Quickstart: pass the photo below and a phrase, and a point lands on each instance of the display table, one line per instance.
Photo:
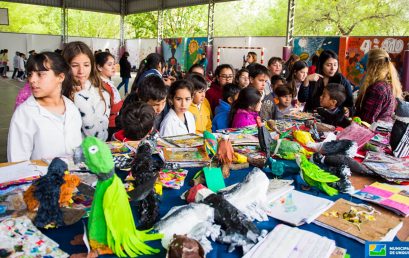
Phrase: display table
(172, 198)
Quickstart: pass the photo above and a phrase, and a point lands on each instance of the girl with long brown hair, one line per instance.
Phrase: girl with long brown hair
(89, 94)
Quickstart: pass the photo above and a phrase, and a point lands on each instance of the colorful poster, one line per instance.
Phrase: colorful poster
(306, 47)
(174, 53)
(195, 48)
(181, 53)
(358, 47)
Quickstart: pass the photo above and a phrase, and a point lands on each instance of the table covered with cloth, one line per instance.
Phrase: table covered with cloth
(171, 198)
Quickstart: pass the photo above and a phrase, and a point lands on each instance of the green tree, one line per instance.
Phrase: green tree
(25, 18)
(251, 18)
(351, 17)
(92, 24)
(177, 22)
(141, 25)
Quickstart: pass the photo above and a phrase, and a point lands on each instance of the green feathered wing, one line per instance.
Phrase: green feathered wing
(97, 226)
(122, 236)
(315, 176)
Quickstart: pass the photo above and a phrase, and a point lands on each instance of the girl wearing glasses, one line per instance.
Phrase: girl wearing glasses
(224, 74)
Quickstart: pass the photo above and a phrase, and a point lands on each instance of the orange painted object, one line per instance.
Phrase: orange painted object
(225, 151)
(71, 182)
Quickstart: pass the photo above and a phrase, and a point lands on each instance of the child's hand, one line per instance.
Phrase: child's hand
(168, 80)
(314, 77)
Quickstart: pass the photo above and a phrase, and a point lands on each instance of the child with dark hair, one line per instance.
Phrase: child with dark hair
(179, 120)
(251, 59)
(196, 68)
(105, 63)
(137, 119)
(331, 110)
(224, 74)
(258, 77)
(242, 78)
(271, 99)
(47, 124)
(275, 65)
(154, 92)
(283, 107)
(221, 119)
(244, 111)
(200, 107)
(152, 65)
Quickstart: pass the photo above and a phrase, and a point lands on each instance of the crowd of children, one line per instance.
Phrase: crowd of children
(73, 97)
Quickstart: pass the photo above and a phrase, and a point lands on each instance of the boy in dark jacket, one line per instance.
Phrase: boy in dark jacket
(222, 111)
(331, 110)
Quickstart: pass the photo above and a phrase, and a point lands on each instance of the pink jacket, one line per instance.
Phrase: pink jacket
(23, 94)
(244, 118)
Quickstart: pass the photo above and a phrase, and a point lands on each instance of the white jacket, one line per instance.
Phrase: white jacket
(94, 111)
(21, 65)
(172, 125)
(16, 61)
(36, 133)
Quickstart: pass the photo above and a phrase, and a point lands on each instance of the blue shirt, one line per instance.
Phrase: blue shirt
(221, 119)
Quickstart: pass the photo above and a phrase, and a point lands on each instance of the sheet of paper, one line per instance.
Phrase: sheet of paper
(21, 170)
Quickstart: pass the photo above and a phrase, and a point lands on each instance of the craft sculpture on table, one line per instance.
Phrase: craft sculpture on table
(145, 171)
(111, 226)
(183, 246)
(236, 228)
(50, 193)
(232, 210)
(315, 176)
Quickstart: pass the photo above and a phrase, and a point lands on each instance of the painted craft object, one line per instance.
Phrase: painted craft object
(145, 171)
(111, 227)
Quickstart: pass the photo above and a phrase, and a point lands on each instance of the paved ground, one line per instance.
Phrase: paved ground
(8, 92)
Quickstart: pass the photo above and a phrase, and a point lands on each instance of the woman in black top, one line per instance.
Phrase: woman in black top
(327, 72)
(125, 71)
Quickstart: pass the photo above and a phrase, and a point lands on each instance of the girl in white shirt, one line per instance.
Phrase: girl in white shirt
(91, 99)
(179, 120)
(47, 124)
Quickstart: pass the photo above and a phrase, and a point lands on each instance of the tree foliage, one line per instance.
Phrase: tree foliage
(92, 24)
(352, 17)
(31, 18)
(178, 22)
(236, 18)
(251, 18)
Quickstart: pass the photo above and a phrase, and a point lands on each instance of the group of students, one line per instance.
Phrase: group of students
(73, 97)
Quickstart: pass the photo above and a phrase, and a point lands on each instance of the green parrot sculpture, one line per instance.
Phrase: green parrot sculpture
(111, 226)
(315, 176)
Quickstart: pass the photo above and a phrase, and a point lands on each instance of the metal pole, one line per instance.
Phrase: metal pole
(122, 24)
(290, 23)
(160, 26)
(210, 23)
(64, 22)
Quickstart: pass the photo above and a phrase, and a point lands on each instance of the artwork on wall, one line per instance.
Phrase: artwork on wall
(174, 53)
(306, 47)
(195, 48)
(357, 49)
(181, 53)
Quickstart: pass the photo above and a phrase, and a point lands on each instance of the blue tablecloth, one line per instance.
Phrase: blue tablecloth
(172, 198)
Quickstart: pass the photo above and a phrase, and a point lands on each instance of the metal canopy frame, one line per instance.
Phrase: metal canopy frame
(126, 7)
(116, 6)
